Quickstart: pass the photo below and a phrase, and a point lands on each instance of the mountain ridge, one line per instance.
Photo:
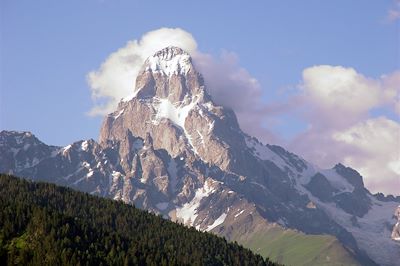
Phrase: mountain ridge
(171, 150)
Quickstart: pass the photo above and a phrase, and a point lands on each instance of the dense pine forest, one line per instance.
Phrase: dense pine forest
(43, 224)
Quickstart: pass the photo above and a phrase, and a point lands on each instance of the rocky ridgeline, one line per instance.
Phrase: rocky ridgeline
(171, 150)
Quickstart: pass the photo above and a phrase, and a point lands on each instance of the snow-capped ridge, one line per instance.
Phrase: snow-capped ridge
(168, 61)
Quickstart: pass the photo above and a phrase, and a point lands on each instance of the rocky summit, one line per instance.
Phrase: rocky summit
(171, 150)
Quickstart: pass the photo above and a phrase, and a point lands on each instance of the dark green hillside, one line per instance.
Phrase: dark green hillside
(43, 224)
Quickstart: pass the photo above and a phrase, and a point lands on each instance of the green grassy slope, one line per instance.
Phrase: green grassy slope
(294, 248)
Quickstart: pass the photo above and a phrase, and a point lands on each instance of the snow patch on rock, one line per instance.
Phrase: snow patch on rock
(66, 149)
(217, 222)
(176, 112)
(236, 215)
(85, 145)
(188, 212)
(169, 61)
(90, 174)
(265, 153)
(119, 114)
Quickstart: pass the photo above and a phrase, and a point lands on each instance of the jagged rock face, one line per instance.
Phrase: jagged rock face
(173, 106)
(320, 187)
(169, 74)
(396, 228)
(351, 175)
(21, 150)
(354, 202)
(171, 150)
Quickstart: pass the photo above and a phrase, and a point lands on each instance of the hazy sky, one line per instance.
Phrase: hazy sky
(319, 77)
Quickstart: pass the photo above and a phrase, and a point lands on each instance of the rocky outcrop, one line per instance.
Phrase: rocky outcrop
(351, 175)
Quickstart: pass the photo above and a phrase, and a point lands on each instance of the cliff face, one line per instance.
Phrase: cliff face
(173, 107)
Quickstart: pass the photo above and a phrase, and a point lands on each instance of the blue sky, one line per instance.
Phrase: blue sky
(47, 49)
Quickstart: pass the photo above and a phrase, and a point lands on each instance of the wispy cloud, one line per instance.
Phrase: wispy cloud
(115, 78)
(393, 14)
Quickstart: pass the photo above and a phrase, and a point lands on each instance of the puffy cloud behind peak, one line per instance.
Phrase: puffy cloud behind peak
(228, 83)
(115, 78)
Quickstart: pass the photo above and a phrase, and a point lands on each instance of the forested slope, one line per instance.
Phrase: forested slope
(43, 224)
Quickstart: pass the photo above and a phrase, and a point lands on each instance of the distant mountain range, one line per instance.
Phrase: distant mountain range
(171, 150)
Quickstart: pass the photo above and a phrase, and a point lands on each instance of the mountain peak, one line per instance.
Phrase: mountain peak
(16, 136)
(168, 61)
(169, 73)
(170, 51)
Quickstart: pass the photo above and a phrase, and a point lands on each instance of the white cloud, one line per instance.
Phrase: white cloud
(341, 95)
(338, 97)
(339, 87)
(377, 152)
(339, 101)
(115, 79)
(393, 13)
(391, 86)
